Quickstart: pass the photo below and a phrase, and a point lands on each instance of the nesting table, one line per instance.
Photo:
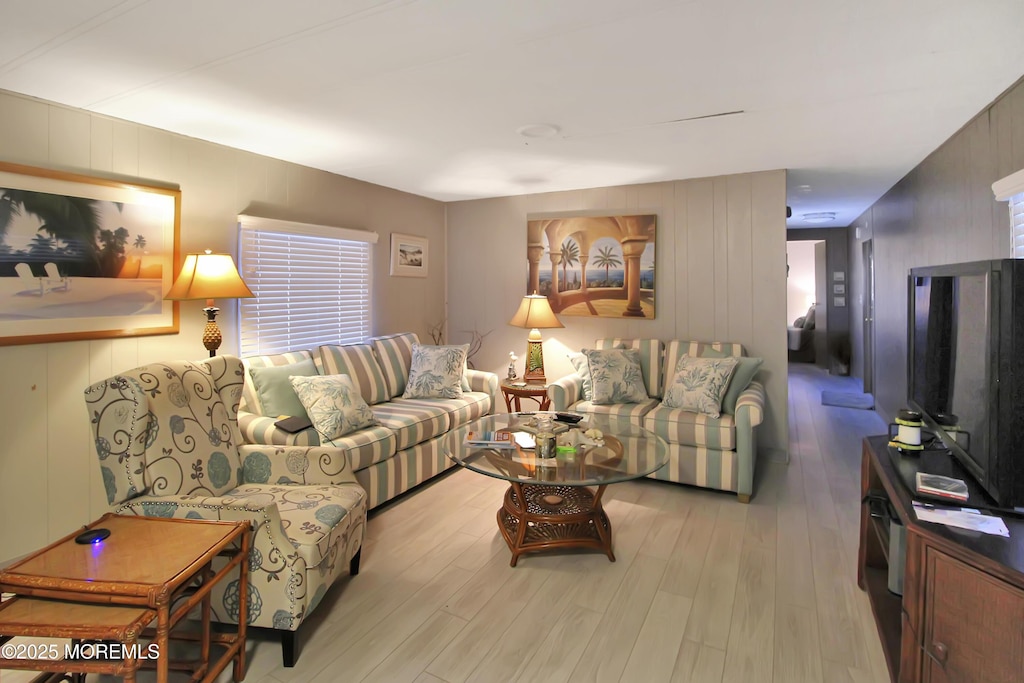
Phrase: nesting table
(149, 569)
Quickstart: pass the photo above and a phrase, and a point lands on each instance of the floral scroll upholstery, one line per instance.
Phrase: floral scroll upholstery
(168, 443)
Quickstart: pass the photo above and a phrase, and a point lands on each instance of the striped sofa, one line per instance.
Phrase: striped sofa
(704, 451)
(406, 448)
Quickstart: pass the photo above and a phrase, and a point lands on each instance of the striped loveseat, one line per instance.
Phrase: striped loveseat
(406, 447)
(704, 451)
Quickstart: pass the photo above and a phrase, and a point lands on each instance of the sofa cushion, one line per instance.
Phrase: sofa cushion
(394, 354)
(366, 446)
(616, 376)
(436, 371)
(358, 362)
(276, 395)
(634, 412)
(412, 421)
(314, 517)
(699, 384)
(689, 428)
(250, 399)
(650, 360)
(333, 404)
(463, 410)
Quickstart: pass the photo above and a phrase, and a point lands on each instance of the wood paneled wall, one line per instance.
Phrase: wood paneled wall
(49, 476)
(941, 212)
(720, 265)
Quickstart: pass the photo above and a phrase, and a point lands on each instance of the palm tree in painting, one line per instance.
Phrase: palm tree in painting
(71, 220)
(570, 255)
(607, 259)
(140, 242)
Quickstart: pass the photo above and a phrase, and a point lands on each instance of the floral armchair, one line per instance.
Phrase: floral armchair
(169, 446)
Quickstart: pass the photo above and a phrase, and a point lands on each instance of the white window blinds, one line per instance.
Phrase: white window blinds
(312, 285)
(1017, 224)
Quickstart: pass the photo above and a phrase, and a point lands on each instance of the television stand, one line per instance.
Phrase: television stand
(960, 615)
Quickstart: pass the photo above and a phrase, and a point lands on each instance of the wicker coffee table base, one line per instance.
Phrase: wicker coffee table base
(541, 517)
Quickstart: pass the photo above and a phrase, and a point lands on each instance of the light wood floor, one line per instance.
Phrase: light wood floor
(704, 589)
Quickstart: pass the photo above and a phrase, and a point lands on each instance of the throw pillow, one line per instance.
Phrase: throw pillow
(746, 368)
(275, 392)
(333, 403)
(799, 322)
(436, 371)
(699, 384)
(579, 361)
(616, 376)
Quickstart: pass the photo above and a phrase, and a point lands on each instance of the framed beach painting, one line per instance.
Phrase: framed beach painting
(595, 266)
(408, 255)
(84, 257)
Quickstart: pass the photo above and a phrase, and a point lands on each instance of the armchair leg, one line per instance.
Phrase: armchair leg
(289, 648)
(744, 497)
(353, 565)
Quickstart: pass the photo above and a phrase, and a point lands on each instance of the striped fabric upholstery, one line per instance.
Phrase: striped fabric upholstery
(472, 405)
(700, 466)
(412, 422)
(688, 428)
(358, 362)
(406, 469)
(634, 412)
(250, 401)
(676, 348)
(394, 354)
(565, 392)
(650, 360)
(367, 446)
(752, 399)
(257, 429)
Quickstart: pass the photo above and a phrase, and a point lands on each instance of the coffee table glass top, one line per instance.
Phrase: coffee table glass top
(625, 452)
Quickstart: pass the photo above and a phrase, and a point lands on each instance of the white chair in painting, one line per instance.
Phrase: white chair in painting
(54, 279)
(36, 285)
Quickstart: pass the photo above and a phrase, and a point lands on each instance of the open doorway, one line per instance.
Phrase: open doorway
(805, 276)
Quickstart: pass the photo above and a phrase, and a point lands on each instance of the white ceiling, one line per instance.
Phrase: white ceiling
(426, 96)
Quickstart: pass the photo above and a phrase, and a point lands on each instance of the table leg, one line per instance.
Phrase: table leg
(604, 527)
(508, 401)
(204, 651)
(163, 629)
(519, 405)
(238, 672)
(521, 529)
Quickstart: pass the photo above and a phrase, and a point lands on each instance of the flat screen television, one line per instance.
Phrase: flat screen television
(965, 369)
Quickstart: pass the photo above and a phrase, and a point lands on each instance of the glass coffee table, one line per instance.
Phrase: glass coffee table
(549, 504)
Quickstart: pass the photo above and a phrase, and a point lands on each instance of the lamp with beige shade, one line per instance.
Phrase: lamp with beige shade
(209, 276)
(535, 314)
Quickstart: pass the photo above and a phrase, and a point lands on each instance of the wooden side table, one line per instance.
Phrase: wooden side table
(146, 562)
(514, 390)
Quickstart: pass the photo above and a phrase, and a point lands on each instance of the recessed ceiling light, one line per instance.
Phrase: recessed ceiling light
(538, 130)
(820, 217)
(803, 188)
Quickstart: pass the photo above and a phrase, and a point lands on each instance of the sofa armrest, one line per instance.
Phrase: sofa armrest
(565, 392)
(295, 465)
(260, 430)
(481, 380)
(749, 414)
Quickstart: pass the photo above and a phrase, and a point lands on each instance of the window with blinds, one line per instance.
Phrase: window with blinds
(311, 284)
(1017, 224)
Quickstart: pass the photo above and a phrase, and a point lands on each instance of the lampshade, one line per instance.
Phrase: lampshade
(208, 276)
(535, 313)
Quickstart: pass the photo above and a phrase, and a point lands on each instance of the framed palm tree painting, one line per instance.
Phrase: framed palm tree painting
(593, 265)
(84, 257)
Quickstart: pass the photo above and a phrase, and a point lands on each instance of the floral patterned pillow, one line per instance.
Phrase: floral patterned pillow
(699, 384)
(436, 371)
(333, 404)
(616, 376)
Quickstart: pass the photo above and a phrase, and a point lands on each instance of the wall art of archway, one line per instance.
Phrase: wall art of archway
(593, 266)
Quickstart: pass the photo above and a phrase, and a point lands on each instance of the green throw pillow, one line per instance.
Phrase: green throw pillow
(275, 391)
(741, 378)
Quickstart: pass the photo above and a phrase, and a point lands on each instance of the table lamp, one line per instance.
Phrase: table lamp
(534, 314)
(209, 276)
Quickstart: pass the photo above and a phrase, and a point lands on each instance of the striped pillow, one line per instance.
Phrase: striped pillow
(358, 362)
(394, 355)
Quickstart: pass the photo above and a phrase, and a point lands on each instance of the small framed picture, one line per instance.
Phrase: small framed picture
(839, 289)
(839, 276)
(408, 255)
(839, 301)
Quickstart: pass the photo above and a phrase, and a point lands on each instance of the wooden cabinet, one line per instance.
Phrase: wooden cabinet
(961, 616)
